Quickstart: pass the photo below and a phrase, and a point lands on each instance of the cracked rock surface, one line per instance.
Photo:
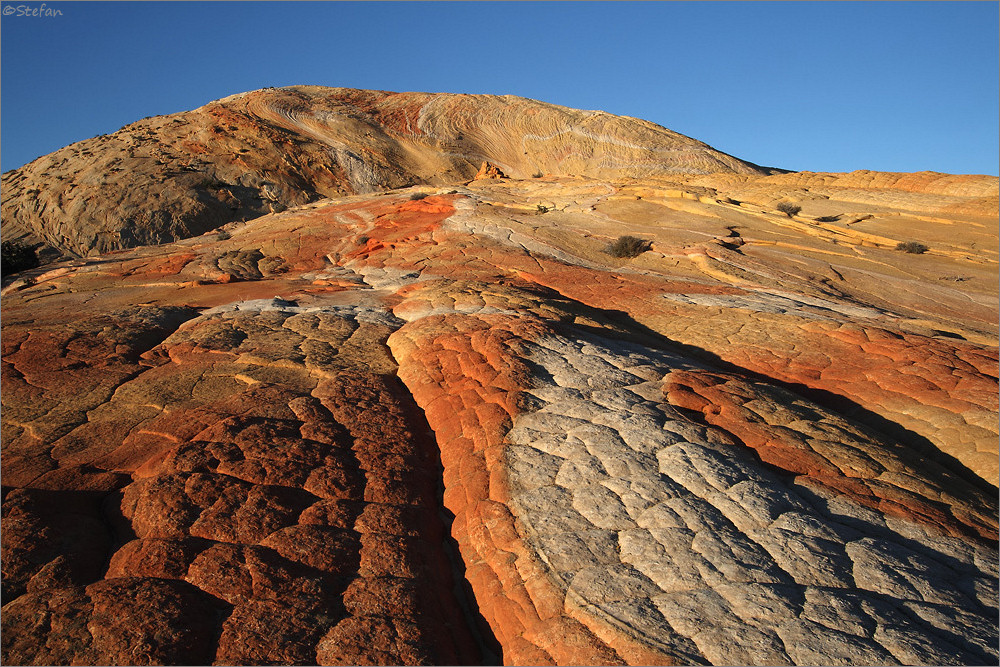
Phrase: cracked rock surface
(440, 425)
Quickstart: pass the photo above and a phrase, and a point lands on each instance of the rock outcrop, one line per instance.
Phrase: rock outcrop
(166, 178)
(488, 170)
(444, 425)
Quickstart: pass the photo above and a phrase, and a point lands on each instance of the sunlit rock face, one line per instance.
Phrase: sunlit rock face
(171, 177)
(441, 424)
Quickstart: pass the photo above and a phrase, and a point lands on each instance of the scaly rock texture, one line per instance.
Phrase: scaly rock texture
(269, 514)
(442, 425)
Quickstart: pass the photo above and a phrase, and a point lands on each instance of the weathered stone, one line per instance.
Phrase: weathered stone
(489, 170)
(446, 428)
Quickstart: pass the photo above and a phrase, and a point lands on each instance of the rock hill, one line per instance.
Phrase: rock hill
(419, 418)
(171, 177)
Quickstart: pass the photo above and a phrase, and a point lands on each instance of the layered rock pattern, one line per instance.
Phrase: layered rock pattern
(443, 425)
(263, 151)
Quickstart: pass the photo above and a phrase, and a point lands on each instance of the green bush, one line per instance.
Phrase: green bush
(912, 247)
(418, 195)
(543, 209)
(16, 256)
(537, 174)
(828, 218)
(788, 208)
(628, 246)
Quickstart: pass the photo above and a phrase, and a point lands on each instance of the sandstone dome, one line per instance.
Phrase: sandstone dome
(248, 154)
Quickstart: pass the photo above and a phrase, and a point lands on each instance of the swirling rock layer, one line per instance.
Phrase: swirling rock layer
(263, 151)
(443, 425)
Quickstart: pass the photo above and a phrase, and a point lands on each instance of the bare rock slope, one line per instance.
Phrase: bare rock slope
(442, 424)
(170, 177)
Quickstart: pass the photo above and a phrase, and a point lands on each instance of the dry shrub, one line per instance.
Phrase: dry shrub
(912, 247)
(628, 246)
(788, 208)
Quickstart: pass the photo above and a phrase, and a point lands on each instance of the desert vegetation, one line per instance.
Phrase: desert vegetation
(17, 256)
(788, 208)
(912, 247)
(628, 247)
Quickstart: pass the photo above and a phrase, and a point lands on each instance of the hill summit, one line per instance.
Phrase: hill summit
(257, 152)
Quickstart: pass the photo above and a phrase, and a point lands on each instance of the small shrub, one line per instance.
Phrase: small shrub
(363, 240)
(912, 247)
(788, 208)
(223, 235)
(16, 256)
(628, 246)
(537, 174)
(418, 195)
(828, 218)
(543, 209)
(270, 266)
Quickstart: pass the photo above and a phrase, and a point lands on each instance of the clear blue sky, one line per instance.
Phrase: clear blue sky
(818, 86)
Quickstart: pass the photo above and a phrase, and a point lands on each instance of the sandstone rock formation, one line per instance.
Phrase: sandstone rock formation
(170, 177)
(488, 170)
(439, 424)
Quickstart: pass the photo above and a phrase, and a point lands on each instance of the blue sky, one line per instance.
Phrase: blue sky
(818, 86)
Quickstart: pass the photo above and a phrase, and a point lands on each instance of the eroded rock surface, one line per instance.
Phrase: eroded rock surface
(443, 425)
(278, 506)
(260, 152)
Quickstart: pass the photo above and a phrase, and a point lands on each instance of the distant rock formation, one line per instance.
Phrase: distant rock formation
(440, 424)
(489, 170)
